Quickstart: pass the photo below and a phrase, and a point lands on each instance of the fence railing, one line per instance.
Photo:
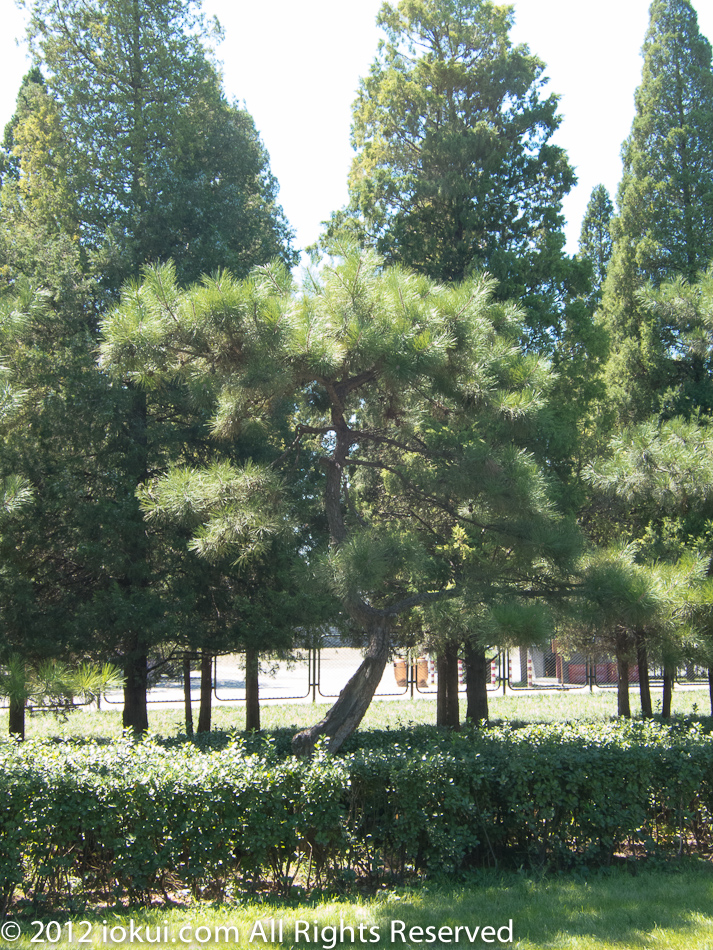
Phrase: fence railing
(321, 674)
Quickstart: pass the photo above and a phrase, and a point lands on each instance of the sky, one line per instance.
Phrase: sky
(296, 67)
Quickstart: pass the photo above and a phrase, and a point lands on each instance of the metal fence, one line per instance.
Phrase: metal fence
(320, 674)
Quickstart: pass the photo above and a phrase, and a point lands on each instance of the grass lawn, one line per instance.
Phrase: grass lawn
(547, 706)
(654, 910)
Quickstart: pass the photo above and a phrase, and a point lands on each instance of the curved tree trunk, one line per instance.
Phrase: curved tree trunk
(642, 660)
(447, 711)
(476, 680)
(252, 691)
(348, 711)
(204, 714)
(17, 717)
(136, 716)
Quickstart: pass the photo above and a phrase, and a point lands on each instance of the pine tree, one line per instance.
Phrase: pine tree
(413, 399)
(659, 476)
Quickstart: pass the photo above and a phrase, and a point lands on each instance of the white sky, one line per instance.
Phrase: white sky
(297, 67)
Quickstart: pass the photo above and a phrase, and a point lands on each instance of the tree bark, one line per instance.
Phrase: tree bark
(642, 660)
(204, 713)
(17, 717)
(669, 673)
(134, 545)
(622, 689)
(348, 711)
(476, 682)
(447, 711)
(187, 703)
(136, 716)
(353, 701)
(710, 686)
(252, 691)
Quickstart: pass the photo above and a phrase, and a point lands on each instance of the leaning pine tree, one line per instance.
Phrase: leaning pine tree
(412, 399)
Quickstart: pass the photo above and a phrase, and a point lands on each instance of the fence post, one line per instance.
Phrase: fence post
(313, 672)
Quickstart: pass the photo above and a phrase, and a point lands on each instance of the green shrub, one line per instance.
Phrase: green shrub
(135, 818)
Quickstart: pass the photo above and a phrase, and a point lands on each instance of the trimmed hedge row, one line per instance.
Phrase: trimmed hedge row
(133, 819)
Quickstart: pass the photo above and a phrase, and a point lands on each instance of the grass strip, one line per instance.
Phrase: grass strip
(550, 706)
(653, 910)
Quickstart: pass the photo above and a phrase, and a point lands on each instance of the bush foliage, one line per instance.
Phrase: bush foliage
(132, 819)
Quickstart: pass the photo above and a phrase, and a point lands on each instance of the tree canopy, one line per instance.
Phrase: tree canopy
(416, 401)
(662, 229)
(157, 163)
(455, 170)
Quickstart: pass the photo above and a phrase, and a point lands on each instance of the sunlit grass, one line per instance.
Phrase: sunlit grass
(656, 910)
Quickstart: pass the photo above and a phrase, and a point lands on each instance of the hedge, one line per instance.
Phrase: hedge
(132, 819)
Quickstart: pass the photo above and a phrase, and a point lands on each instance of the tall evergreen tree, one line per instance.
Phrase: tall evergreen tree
(412, 397)
(161, 164)
(455, 168)
(664, 225)
(127, 153)
(595, 243)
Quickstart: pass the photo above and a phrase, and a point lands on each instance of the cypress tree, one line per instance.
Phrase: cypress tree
(665, 203)
(455, 170)
(595, 243)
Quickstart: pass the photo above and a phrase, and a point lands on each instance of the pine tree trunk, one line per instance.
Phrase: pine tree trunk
(204, 713)
(252, 691)
(348, 711)
(447, 711)
(136, 716)
(17, 717)
(644, 686)
(353, 701)
(476, 680)
(669, 673)
(710, 686)
(622, 689)
(187, 703)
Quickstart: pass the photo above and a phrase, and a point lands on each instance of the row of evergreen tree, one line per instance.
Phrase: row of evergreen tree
(195, 465)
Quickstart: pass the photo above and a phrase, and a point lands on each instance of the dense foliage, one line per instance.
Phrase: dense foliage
(418, 442)
(413, 397)
(662, 229)
(455, 169)
(135, 819)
